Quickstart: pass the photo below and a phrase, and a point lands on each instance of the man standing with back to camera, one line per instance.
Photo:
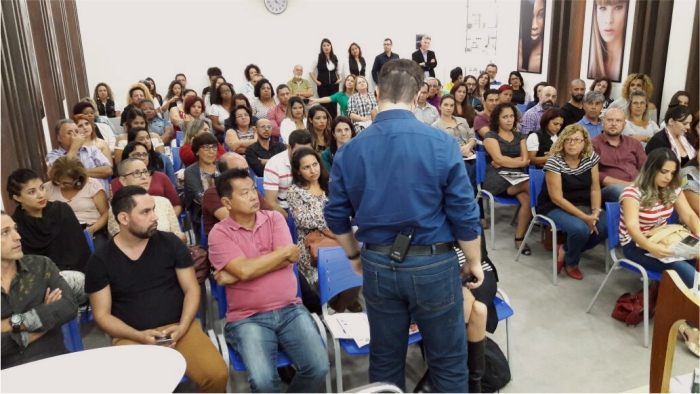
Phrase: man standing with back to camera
(410, 204)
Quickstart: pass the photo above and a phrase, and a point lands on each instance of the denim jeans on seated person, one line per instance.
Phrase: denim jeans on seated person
(578, 237)
(684, 268)
(428, 290)
(291, 329)
(611, 193)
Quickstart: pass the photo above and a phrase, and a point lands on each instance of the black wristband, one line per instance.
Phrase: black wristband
(353, 257)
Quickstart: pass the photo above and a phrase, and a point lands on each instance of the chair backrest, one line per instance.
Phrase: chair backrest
(522, 108)
(177, 162)
(116, 124)
(292, 226)
(480, 167)
(260, 184)
(88, 238)
(612, 209)
(536, 181)
(335, 273)
(204, 242)
(179, 137)
(71, 336)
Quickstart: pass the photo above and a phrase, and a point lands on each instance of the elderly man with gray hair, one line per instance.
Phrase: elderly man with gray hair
(592, 105)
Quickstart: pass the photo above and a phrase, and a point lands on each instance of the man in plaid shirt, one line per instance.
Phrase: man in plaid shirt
(531, 119)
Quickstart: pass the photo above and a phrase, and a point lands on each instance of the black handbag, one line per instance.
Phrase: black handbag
(496, 371)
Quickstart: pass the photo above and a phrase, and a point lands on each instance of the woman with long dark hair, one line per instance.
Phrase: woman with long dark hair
(520, 96)
(532, 16)
(342, 132)
(603, 86)
(356, 62)
(463, 107)
(328, 76)
(318, 124)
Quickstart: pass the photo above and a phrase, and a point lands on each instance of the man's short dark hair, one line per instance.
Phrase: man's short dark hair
(123, 200)
(492, 65)
(224, 187)
(177, 75)
(389, 39)
(213, 72)
(280, 87)
(455, 72)
(399, 81)
(490, 92)
(299, 137)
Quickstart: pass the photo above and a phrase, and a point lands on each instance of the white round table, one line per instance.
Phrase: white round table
(128, 368)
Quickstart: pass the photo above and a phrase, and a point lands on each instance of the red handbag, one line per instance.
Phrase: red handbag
(629, 308)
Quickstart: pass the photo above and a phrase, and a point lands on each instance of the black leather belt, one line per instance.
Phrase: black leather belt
(415, 250)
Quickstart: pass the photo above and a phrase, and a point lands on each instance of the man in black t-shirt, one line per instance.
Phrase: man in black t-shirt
(143, 290)
(573, 110)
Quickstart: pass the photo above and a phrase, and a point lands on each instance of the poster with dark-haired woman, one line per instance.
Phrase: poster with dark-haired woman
(531, 36)
(608, 29)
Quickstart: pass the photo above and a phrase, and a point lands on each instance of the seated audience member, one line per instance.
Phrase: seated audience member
(681, 97)
(36, 302)
(571, 197)
(362, 106)
(342, 98)
(133, 172)
(156, 124)
(531, 118)
(690, 176)
(104, 100)
(242, 134)
(343, 132)
(151, 85)
(160, 184)
(49, 228)
(103, 130)
(157, 161)
(143, 288)
(298, 85)
(278, 171)
(200, 176)
(250, 72)
(173, 99)
(137, 92)
(70, 184)
(319, 126)
(592, 106)
(215, 75)
(537, 91)
(182, 79)
(433, 92)
(239, 100)
(136, 118)
(265, 99)
(540, 142)
(633, 83)
(222, 105)
(180, 115)
(213, 210)
(482, 121)
(505, 94)
(196, 128)
(520, 96)
(259, 153)
(508, 152)
(424, 111)
(638, 125)
(573, 109)
(307, 196)
(693, 133)
(463, 108)
(603, 86)
(71, 142)
(253, 254)
(456, 127)
(278, 113)
(678, 120)
(647, 204)
(492, 70)
(87, 128)
(474, 102)
(295, 118)
(621, 156)
(482, 85)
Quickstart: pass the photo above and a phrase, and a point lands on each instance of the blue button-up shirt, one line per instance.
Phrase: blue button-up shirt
(593, 129)
(158, 125)
(401, 174)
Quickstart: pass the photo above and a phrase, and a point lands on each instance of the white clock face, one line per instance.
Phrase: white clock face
(276, 6)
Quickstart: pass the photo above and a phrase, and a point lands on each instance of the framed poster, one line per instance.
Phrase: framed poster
(532, 17)
(608, 30)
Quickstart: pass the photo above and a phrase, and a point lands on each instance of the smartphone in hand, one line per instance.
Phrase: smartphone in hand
(164, 341)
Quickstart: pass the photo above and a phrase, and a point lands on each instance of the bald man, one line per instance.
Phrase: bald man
(531, 119)
(573, 109)
(300, 86)
(260, 152)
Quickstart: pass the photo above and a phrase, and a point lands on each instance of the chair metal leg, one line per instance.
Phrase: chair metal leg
(493, 224)
(645, 279)
(514, 219)
(554, 255)
(595, 297)
(338, 366)
(508, 346)
(527, 234)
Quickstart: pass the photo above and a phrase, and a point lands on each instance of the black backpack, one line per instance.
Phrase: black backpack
(496, 371)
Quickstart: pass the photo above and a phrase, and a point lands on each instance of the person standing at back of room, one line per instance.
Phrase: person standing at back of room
(424, 283)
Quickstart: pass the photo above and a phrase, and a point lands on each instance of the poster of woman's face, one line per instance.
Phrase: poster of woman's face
(531, 36)
(608, 28)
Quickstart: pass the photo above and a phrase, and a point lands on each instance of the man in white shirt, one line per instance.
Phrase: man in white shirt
(424, 111)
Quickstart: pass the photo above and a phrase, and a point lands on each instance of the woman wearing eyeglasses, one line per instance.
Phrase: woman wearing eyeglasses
(200, 176)
(571, 197)
(157, 161)
(70, 184)
(242, 135)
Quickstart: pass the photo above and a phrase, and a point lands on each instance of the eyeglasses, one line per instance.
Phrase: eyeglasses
(139, 174)
(209, 147)
(573, 141)
(68, 184)
(137, 155)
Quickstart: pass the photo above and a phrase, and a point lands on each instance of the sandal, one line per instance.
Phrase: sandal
(692, 338)
(526, 249)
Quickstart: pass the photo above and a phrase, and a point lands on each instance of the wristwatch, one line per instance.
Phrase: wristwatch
(16, 322)
(597, 209)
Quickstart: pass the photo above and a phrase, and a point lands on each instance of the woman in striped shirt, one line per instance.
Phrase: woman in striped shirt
(648, 204)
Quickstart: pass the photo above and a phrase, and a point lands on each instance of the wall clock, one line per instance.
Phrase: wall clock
(276, 6)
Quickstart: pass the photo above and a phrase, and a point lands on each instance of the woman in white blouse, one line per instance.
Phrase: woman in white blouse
(296, 118)
(221, 106)
(328, 75)
(638, 125)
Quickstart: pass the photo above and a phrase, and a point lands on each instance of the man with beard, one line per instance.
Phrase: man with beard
(143, 290)
(260, 152)
(531, 119)
(573, 110)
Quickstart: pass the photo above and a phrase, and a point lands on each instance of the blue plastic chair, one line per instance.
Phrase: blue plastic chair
(260, 185)
(522, 108)
(613, 212)
(504, 312)
(480, 176)
(292, 226)
(335, 275)
(179, 136)
(71, 336)
(88, 237)
(177, 161)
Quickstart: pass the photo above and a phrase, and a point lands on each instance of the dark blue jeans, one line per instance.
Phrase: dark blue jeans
(578, 237)
(257, 338)
(685, 269)
(428, 290)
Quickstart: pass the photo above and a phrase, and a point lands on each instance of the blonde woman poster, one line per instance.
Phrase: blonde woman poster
(608, 39)
(531, 36)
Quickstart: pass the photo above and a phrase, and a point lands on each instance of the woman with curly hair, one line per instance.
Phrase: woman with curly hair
(104, 99)
(633, 83)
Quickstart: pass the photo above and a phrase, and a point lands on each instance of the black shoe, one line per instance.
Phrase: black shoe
(476, 364)
(424, 385)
